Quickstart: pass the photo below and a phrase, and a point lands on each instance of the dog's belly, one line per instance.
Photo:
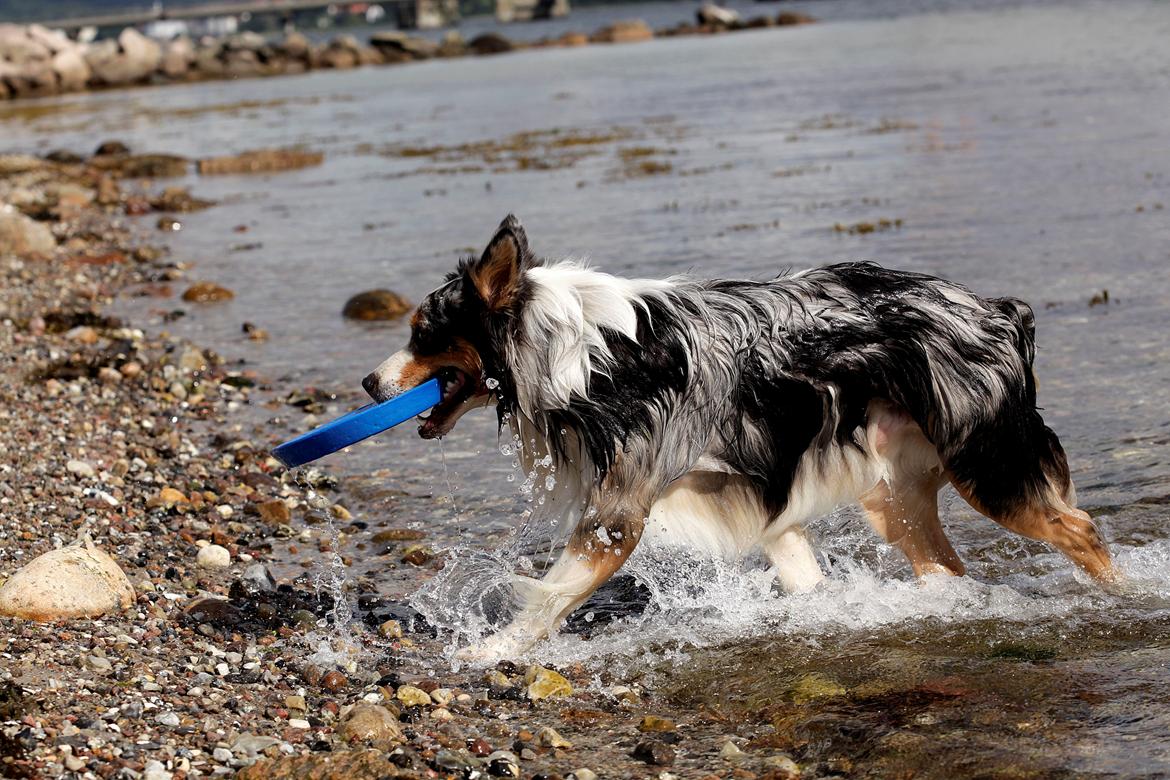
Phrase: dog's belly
(719, 512)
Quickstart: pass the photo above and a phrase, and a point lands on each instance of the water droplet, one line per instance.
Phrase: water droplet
(491, 383)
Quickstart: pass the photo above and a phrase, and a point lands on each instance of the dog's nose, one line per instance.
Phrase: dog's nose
(370, 383)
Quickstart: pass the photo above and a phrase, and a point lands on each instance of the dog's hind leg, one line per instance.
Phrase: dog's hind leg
(903, 506)
(1018, 476)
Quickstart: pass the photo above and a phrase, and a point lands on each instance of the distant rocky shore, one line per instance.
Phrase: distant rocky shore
(36, 61)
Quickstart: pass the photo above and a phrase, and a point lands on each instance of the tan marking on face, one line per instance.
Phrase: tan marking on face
(461, 355)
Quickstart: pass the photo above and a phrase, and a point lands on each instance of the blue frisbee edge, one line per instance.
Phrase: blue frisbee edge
(358, 425)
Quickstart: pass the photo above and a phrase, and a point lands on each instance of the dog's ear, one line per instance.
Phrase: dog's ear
(496, 275)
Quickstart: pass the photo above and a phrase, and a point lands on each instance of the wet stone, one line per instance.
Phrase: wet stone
(653, 752)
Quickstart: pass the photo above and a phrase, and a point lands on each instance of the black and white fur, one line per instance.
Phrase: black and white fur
(725, 413)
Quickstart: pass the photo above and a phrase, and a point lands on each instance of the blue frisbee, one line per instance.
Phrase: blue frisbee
(357, 425)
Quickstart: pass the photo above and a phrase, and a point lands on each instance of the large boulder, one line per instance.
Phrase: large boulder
(72, 71)
(22, 236)
(716, 16)
(54, 40)
(401, 46)
(490, 43)
(18, 48)
(34, 78)
(130, 59)
(178, 57)
(75, 581)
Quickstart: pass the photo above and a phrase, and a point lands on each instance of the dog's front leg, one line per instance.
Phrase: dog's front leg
(601, 543)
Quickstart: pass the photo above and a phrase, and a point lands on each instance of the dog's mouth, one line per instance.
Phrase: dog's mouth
(458, 389)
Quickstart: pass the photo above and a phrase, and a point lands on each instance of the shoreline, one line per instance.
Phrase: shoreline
(36, 62)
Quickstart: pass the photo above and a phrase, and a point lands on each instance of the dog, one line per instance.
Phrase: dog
(723, 414)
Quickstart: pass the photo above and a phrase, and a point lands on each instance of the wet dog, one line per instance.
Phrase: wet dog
(722, 414)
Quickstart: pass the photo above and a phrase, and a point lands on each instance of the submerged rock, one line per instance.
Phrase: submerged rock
(75, 581)
(375, 305)
(261, 161)
(350, 764)
(207, 292)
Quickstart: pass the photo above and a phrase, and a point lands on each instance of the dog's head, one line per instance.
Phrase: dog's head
(458, 331)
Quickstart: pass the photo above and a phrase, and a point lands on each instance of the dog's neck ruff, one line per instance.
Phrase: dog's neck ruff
(559, 342)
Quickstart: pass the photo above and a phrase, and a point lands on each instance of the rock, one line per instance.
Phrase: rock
(154, 770)
(111, 149)
(178, 57)
(207, 292)
(626, 31)
(80, 468)
(573, 39)
(213, 557)
(22, 236)
(782, 765)
(391, 629)
(503, 763)
(370, 723)
(334, 682)
(95, 663)
(375, 305)
(18, 47)
(73, 72)
(295, 46)
(544, 683)
(717, 16)
(497, 681)
(452, 45)
(274, 512)
(355, 764)
(167, 719)
(582, 774)
(129, 59)
(399, 45)
(731, 752)
(412, 697)
(548, 737)
(815, 686)
(250, 746)
(75, 581)
(261, 161)
(179, 199)
(791, 18)
(458, 762)
(490, 43)
(258, 576)
(169, 497)
(656, 724)
(654, 753)
(144, 166)
(417, 554)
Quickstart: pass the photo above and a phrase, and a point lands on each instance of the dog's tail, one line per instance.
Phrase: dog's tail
(1014, 457)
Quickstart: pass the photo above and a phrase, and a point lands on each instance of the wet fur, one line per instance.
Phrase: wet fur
(723, 413)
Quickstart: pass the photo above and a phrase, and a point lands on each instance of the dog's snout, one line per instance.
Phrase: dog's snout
(370, 384)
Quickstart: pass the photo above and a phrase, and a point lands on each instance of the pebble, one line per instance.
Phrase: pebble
(497, 681)
(372, 723)
(221, 755)
(731, 752)
(548, 737)
(334, 681)
(154, 770)
(782, 763)
(544, 683)
(503, 763)
(442, 696)
(583, 774)
(412, 697)
(298, 723)
(80, 468)
(654, 723)
(391, 629)
(654, 752)
(167, 719)
(214, 557)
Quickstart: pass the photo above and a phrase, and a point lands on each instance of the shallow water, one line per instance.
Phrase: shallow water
(1023, 146)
